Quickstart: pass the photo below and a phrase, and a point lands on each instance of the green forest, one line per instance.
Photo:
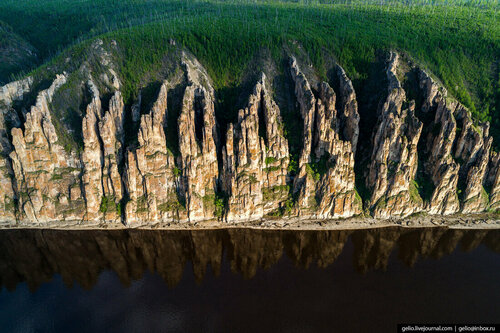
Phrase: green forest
(458, 41)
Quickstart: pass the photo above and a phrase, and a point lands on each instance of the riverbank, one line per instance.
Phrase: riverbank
(476, 221)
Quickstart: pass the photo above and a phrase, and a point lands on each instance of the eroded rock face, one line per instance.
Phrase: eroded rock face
(459, 154)
(150, 177)
(117, 179)
(440, 165)
(9, 118)
(255, 161)
(472, 148)
(48, 178)
(394, 159)
(326, 193)
(493, 181)
(103, 140)
(198, 143)
(349, 116)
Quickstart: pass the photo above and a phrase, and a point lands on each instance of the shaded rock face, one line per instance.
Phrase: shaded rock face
(425, 155)
(329, 191)
(255, 160)
(48, 178)
(394, 158)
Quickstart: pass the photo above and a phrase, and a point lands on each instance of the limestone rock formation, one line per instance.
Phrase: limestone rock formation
(150, 176)
(473, 149)
(459, 154)
(9, 118)
(47, 176)
(425, 155)
(440, 165)
(255, 160)
(493, 181)
(349, 116)
(103, 140)
(198, 143)
(329, 191)
(394, 159)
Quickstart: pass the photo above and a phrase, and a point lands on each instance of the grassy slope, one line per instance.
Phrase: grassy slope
(459, 44)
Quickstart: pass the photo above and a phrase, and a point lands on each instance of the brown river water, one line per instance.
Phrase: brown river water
(243, 280)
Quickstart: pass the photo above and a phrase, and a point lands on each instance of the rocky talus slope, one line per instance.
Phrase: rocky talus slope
(170, 160)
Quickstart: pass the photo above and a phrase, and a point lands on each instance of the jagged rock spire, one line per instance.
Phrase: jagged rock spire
(394, 157)
(255, 166)
(333, 193)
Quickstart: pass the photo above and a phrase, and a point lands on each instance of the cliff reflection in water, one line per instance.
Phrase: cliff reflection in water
(35, 256)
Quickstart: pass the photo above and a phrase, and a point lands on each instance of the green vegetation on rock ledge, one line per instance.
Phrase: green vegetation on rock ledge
(459, 41)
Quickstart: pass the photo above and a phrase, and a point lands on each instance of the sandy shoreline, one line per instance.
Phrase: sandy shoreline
(482, 221)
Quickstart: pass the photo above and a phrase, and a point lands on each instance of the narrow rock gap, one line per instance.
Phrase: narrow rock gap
(105, 100)
(370, 95)
(262, 119)
(286, 100)
(174, 107)
(24, 104)
(199, 107)
(423, 178)
(101, 149)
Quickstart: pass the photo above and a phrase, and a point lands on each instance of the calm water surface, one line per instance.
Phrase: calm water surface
(246, 280)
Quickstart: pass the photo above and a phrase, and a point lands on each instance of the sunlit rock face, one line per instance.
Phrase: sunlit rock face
(198, 143)
(9, 93)
(47, 177)
(255, 159)
(330, 191)
(103, 139)
(493, 180)
(168, 154)
(394, 159)
(150, 177)
(458, 152)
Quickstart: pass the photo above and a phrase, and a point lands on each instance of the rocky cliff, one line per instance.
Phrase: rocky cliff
(325, 184)
(394, 158)
(172, 159)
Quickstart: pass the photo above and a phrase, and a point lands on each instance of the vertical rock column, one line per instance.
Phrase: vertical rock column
(103, 141)
(198, 144)
(255, 165)
(440, 164)
(348, 112)
(149, 177)
(493, 181)
(333, 193)
(473, 149)
(47, 176)
(9, 118)
(394, 157)
(92, 155)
